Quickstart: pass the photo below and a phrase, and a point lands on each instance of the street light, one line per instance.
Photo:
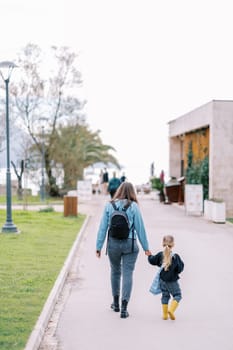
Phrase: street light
(6, 68)
(42, 192)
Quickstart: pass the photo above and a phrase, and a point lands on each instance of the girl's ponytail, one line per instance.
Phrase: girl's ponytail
(168, 243)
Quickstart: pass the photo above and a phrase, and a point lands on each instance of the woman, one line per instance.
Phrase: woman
(122, 252)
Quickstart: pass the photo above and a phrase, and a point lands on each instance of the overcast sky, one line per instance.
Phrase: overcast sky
(143, 63)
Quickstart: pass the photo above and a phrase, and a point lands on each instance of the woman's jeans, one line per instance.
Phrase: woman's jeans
(122, 261)
(168, 289)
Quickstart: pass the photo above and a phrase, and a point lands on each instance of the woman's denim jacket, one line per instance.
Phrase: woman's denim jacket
(135, 220)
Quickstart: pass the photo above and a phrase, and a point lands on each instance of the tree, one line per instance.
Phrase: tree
(75, 148)
(51, 99)
(48, 98)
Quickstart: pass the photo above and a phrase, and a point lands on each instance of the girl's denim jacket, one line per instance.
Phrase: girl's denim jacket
(135, 220)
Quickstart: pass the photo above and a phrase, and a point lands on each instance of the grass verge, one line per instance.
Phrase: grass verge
(29, 265)
(32, 200)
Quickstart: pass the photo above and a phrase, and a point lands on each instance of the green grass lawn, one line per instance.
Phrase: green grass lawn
(29, 265)
(31, 200)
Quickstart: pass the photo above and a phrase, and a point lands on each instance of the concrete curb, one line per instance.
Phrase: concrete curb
(37, 334)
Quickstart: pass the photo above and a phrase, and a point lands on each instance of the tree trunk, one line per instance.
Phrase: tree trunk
(19, 178)
(20, 189)
(51, 188)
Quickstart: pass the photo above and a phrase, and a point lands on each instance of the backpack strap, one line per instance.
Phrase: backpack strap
(126, 206)
(114, 205)
(132, 238)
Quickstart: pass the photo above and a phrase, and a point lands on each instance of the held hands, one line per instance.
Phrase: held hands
(148, 252)
(98, 253)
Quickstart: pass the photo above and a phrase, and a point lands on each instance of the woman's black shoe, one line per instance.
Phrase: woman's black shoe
(115, 305)
(124, 312)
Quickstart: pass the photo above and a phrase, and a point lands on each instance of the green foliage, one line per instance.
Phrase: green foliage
(67, 143)
(75, 148)
(190, 155)
(29, 265)
(46, 210)
(198, 173)
(32, 200)
(156, 184)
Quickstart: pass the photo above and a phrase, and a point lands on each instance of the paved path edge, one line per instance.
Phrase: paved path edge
(39, 329)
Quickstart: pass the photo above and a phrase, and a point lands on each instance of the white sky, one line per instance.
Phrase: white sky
(143, 63)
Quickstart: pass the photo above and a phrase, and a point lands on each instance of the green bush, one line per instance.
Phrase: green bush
(156, 184)
(198, 173)
(46, 210)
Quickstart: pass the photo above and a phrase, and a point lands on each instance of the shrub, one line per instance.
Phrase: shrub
(46, 210)
(198, 173)
(156, 184)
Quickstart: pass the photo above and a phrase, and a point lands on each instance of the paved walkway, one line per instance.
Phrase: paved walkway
(84, 320)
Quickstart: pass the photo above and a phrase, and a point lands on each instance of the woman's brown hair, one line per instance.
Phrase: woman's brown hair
(126, 191)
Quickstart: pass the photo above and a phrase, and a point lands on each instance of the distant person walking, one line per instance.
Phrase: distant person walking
(105, 181)
(122, 253)
(172, 265)
(161, 176)
(123, 177)
(100, 190)
(113, 184)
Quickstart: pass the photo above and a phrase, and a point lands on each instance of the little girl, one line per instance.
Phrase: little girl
(169, 275)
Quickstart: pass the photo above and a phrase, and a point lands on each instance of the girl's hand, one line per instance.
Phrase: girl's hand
(148, 252)
(98, 253)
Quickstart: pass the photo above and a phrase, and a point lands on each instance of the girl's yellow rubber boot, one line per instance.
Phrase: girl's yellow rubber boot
(165, 311)
(172, 309)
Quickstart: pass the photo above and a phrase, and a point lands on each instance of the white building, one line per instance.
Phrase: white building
(212, 126)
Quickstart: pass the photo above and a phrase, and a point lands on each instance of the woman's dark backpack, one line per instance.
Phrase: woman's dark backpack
(119, 226)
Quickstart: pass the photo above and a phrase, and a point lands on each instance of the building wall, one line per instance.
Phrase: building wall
(197, 119)
(221, 162)
(216, 119)
(200, 145)
(175, 159)
(181, 129)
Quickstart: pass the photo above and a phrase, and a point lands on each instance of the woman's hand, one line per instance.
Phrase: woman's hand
(148, 252)
(98, 253)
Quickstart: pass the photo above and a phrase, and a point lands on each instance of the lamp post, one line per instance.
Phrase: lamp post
(6, 68)
(42, 190)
